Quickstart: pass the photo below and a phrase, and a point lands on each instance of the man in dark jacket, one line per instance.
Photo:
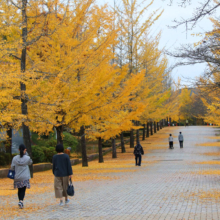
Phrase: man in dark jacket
(138, 151)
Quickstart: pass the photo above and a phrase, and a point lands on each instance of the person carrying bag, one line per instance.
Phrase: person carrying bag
(11, 174)
(62, 171)
(20, 166)
(70, 189)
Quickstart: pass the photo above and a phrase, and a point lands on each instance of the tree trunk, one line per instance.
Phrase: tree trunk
(122, 143)
(27, 143)
(144, 132)
(161, 124)
(114, 154)
(158, 126)
(59, 130)
(155, 128)
(83, 146)
(170, 121)
(151, 128)
(9, 141)
(132, 138)
(100, 151)
(137, 134)
(26, 131)
(148, 131)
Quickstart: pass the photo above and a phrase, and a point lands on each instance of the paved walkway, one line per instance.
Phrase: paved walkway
(172, 188)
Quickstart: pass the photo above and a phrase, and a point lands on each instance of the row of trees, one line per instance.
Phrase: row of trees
(209, 84)
(79, 66)
(205, 103)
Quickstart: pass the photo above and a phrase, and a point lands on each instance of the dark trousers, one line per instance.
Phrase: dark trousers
(138, 159)
(21, 193)
(181, 144)
(171, 144)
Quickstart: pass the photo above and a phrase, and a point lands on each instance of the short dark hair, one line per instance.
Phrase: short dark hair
(59, 148)
(180, 132)
(170, 134)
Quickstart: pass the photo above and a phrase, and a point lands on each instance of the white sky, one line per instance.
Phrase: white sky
(173, 38)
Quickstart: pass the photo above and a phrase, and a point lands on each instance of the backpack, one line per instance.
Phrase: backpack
(138, 149)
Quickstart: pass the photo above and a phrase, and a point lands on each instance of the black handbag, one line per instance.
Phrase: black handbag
(70, 189)
(11, 174)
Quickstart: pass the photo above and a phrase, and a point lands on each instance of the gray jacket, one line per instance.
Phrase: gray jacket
(20, 165)
(170, 138)
(180, 137)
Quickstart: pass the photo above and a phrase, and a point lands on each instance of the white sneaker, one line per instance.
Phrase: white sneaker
(61, 203)
(67, 201)
(20, 205)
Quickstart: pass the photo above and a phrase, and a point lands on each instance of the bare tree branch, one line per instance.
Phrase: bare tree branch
(206, 8)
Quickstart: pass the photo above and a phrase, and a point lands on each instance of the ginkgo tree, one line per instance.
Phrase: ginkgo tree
(156, 94)
(62, 69)
(209, 94)
(114, 118)
(133, 33)
(22, 24)
(80, 78)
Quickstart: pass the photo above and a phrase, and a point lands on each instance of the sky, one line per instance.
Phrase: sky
(173, 38)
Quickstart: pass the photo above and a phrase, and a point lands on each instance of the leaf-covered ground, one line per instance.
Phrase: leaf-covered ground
(177, 178)
(43, 181)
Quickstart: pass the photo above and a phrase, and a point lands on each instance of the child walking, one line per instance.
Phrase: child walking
(170, 141)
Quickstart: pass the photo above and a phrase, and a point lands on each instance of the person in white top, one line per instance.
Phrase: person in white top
(180, 138)
(170, 141)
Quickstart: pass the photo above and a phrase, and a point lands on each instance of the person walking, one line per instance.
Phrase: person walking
(20, 165)
(170, 141)
(180, 138)
(138, 151)
(62, 171)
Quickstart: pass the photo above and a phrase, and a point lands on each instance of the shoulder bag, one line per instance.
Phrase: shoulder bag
(11, 174)
(70, 189)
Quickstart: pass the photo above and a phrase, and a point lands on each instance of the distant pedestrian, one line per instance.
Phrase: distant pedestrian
(138, 151)
(180, 138)
(170, 141)
(187, 122)
(62, 171)
(20, 165)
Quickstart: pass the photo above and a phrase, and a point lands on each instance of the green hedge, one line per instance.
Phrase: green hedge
(69, 141)
(107, 144)
(6, 158)
(42, 154)
(44, 149)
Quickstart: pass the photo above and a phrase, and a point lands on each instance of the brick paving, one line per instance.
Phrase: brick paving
(167, 190)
